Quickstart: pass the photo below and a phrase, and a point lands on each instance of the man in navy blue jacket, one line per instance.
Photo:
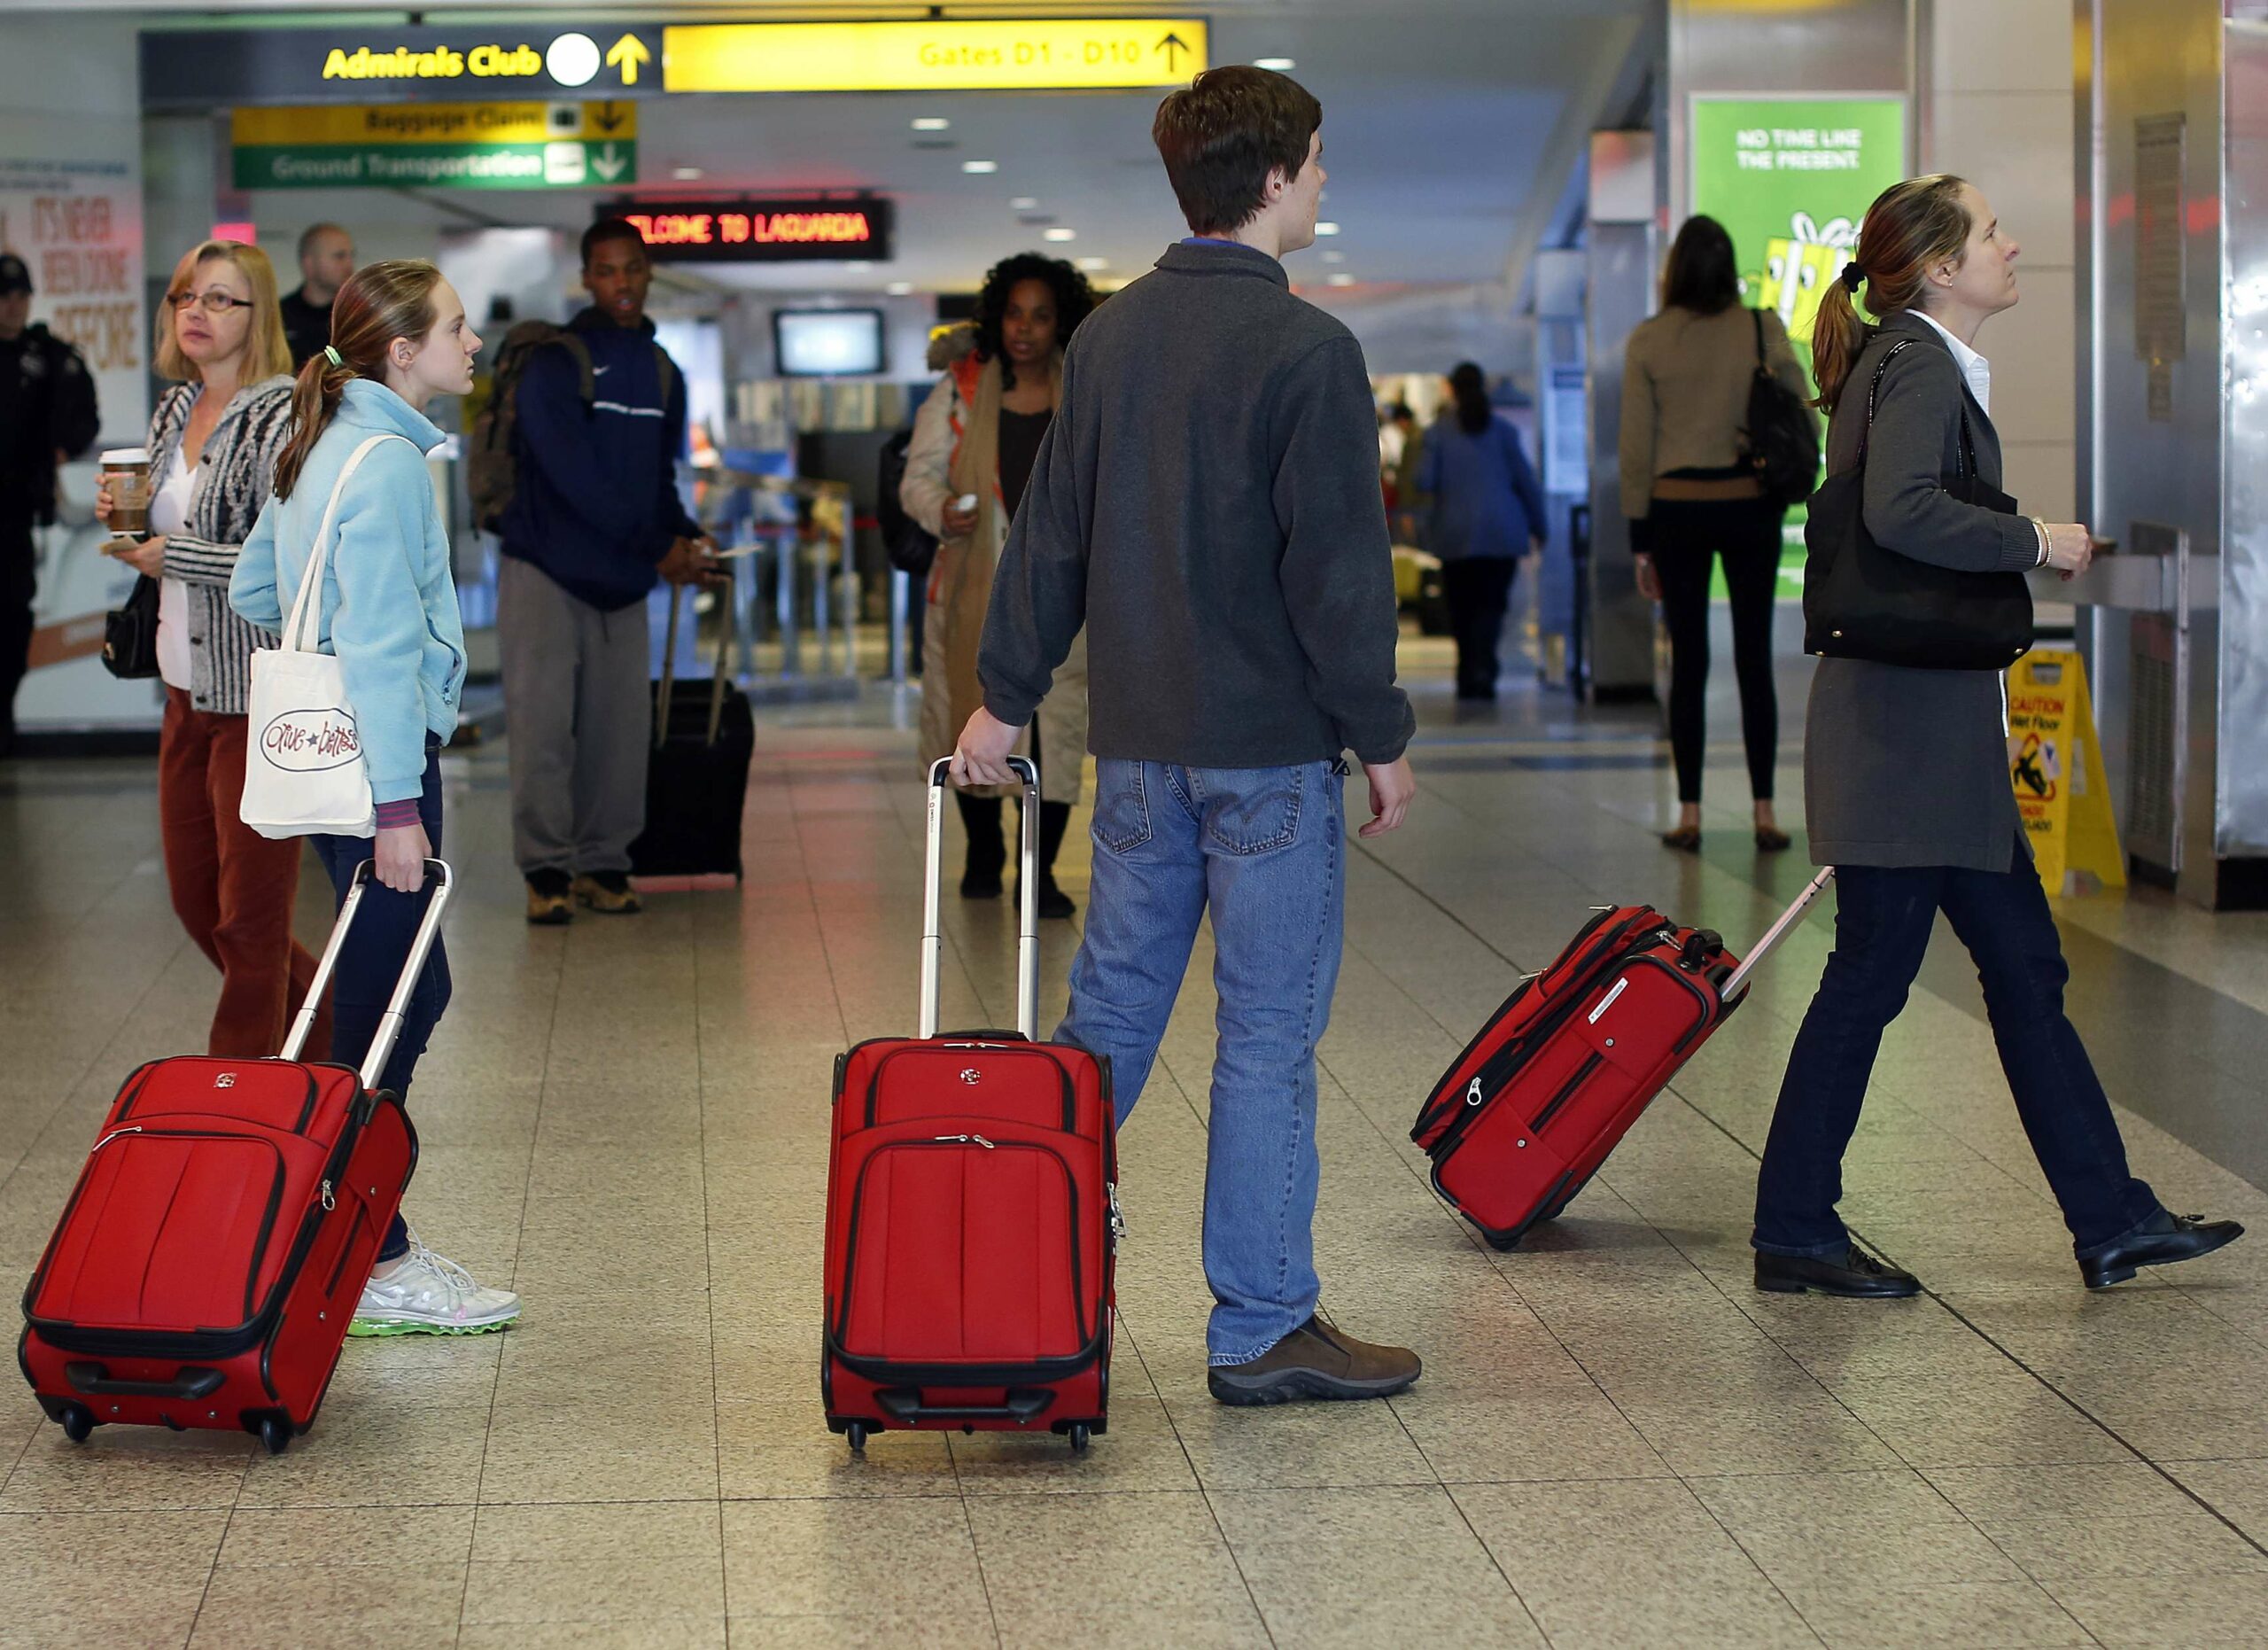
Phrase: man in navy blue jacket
(595, 521)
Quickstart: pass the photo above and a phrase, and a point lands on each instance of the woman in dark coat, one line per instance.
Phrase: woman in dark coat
(1907, 788)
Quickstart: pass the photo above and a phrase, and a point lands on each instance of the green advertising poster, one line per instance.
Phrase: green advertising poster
(1790, 180)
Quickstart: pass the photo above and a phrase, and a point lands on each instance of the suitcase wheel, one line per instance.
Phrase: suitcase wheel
(856, 1432)
(275, 1433)
(1081, 1435)
(78, 1422)
(1505, 1245)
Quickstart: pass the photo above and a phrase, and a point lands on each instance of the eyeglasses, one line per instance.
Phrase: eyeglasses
(215, 302)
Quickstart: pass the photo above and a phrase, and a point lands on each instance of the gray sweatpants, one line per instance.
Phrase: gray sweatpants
(577, 720)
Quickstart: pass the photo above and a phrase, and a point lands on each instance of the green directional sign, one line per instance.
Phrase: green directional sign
(503, 145)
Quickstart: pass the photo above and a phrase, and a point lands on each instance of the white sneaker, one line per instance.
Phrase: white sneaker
(426, 1294)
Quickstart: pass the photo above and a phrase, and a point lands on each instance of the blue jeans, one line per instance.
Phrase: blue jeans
(370, 964)
(1882, 921)
(1264, 849)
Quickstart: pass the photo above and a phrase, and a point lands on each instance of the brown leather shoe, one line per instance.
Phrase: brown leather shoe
(548, 906)
(607, 892)
(1317, 1360)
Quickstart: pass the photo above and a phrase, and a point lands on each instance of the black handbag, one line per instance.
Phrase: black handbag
(911, 549)
(1780, 443)
(1863, 602)
(130, 633)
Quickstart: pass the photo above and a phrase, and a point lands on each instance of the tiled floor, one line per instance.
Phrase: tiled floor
(1617, 1441)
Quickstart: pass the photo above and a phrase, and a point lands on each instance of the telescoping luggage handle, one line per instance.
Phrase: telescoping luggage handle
(669, 669)
(389, 1032)
(933, 942)
(1736, 982)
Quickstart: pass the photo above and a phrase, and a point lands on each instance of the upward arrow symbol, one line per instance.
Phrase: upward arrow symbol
(626, 54)
(1173, 46)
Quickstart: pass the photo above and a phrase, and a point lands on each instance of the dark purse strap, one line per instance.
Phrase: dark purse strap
(1873, 392)
(1965, 461)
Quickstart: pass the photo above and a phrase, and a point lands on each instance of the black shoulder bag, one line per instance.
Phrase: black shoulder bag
(1780, 443)
(130, 633)
(1863, 601)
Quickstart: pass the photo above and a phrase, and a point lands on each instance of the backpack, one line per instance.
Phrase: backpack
(911, 548)
(493, 465)
(1780, 443)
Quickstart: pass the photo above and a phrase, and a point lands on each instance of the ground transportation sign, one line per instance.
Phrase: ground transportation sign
(436, 145)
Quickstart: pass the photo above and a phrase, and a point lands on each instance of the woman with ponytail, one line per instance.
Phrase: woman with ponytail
(1486, 511)
(212, 446)
(388, 611)
(1905, 776)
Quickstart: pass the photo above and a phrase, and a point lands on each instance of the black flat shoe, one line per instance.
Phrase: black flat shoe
(1054, 905)
(976, 885)
(1685, 839)
(2167, 1238)
(1856, 1273)
(1769, 840)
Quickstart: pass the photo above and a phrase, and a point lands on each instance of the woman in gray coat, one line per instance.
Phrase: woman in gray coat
(1905, 781)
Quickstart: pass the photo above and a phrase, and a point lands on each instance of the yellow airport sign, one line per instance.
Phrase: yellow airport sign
(1039, 54)
(518, 122)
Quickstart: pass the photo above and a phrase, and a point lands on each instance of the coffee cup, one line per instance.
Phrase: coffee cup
(126, 472)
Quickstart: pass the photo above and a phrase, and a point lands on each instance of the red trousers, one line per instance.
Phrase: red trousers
(232, 887)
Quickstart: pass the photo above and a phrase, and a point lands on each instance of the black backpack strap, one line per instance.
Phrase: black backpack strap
(1763, 367)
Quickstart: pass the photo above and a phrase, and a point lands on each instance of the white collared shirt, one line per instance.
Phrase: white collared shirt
(1974, 367)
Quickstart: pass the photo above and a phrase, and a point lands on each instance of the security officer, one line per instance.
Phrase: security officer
(47, 416)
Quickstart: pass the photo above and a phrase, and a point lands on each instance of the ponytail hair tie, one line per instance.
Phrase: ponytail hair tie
(337, 359)
(1853, 275)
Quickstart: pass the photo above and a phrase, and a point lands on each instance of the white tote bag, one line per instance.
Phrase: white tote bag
(303, 775)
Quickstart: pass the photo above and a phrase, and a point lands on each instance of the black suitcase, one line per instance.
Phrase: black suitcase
(696, 773)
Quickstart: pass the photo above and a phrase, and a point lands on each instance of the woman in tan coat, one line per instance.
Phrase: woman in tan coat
(974, 445)
(1692, 498)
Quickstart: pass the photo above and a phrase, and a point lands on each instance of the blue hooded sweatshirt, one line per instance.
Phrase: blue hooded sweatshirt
(389, 604)
(596, 506)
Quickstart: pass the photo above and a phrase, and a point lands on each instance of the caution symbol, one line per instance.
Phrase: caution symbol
(2037, 770)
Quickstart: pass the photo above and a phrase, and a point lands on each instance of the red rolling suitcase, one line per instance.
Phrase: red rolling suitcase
(210, 1256)
(1537, 1102)
(972, 1215)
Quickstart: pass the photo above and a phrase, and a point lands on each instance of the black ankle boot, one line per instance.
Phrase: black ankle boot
(988, 848)
(1054, 825)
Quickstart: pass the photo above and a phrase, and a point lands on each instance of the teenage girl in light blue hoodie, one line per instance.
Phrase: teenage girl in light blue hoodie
(388, 609)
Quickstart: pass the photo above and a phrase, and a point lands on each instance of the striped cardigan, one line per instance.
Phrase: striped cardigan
(233, 480)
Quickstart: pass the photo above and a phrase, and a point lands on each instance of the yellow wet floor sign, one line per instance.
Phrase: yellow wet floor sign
(2055, 763)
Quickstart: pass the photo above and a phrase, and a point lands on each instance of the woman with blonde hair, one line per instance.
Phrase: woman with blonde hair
(1905, 774)
(212, 447)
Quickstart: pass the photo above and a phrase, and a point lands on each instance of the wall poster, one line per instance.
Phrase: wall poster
(1790, 179)
(70, 208)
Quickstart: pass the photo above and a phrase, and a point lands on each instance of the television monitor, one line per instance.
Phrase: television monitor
(827, 343)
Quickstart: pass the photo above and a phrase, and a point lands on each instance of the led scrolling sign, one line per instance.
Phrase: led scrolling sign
(763, 232)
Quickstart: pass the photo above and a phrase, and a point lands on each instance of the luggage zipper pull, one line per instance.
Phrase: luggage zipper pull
(1473, 1094)
(113, 1134)
(964, 1140)
(1117, 1214)
(329, 1202)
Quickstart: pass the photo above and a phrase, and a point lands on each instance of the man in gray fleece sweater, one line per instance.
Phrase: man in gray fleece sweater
(1205, 504)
